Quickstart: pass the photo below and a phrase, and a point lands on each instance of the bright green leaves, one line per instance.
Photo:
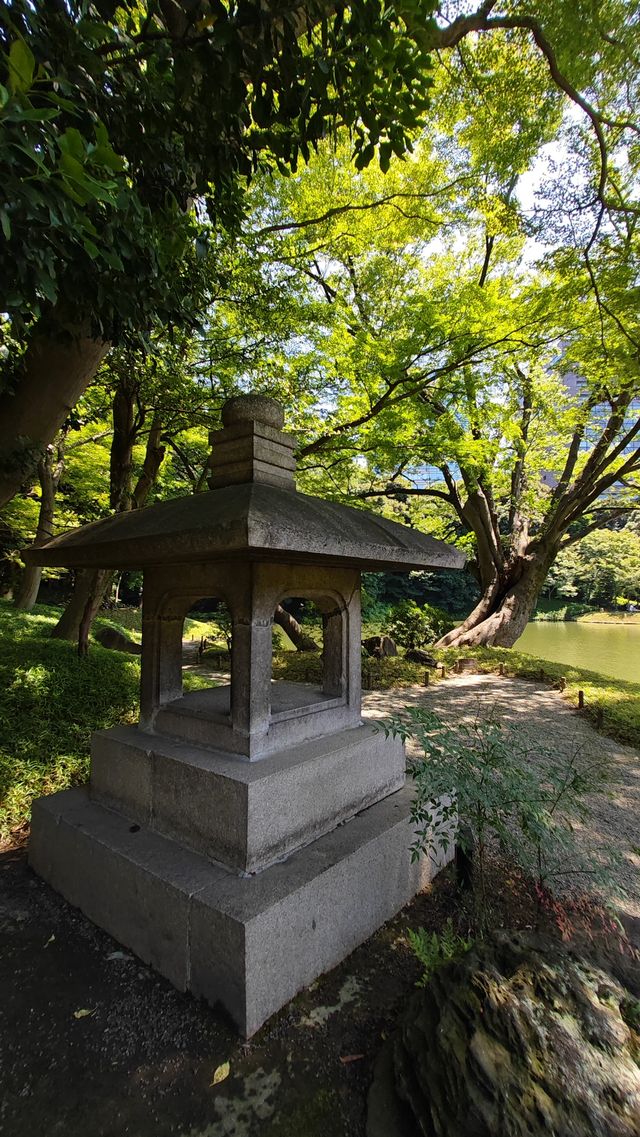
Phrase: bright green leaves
(82, 166)
(21, 67)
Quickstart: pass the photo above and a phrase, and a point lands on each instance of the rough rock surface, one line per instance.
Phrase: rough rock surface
(117, 641)
(521, 1038)
(380, 646)
(417, 655)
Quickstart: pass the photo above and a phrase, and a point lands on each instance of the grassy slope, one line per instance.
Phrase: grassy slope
(604, 617)
(51, 701)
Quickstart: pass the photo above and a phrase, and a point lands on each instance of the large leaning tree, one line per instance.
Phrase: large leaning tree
(449, 357)
(124, 125)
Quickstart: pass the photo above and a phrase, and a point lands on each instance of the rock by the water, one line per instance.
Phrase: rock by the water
(117, 641)
(417, 655)
(380, 646)
(521, 1038)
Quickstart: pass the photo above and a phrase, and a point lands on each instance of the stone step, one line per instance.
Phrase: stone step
(250, 943)
(244, 815)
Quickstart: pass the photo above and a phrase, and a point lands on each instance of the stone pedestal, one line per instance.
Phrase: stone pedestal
(248, 943)
(240, 881)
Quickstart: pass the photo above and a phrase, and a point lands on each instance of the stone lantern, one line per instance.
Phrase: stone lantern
(245, 838)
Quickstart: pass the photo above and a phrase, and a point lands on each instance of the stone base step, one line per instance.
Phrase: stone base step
(248, 943)
(245, 815)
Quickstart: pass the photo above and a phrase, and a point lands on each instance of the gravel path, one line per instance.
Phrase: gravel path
(543, 716)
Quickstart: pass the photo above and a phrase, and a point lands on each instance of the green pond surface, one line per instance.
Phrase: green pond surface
(613, 649)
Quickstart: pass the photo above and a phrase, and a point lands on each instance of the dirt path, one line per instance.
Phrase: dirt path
(543, 717)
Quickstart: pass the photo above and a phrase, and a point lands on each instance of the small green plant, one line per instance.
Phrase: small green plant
(630, 1011)
(224, 624)
(433, 949)
(484, 783)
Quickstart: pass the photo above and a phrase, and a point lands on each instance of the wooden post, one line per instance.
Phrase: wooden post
(442, 669)
(580, 700)
(542, 672)
(599, 716)
(501, 669)
(562, 683)
(425, 681)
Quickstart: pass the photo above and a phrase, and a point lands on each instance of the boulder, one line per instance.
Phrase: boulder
(117, 641)
(521, 1038)
(379, 646)
(417, 655)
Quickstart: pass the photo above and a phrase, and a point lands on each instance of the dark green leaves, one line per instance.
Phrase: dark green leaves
(114, 119)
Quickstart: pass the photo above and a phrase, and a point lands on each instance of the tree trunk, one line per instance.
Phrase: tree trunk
(92, 584)
(49, 474)
(505, 608)
(99, 584)
(68, 625)
(53, 375)
(299, 638)
(29, 588)
(153, 459)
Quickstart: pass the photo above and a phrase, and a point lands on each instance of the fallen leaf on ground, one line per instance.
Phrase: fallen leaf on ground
(50, 940)
(344, 1058)
(84, 1013)
(220, 1073)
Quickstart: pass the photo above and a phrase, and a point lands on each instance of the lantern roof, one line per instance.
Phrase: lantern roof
(252, 512)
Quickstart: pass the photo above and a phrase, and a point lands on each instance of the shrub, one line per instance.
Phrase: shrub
(413, 626)
(433, 949)
(570, 612)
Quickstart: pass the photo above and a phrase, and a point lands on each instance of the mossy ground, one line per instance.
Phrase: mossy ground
(51, 701)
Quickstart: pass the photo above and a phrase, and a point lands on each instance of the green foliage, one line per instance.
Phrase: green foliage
(433, 949)
(115, 118)
(482, 782)
(50, 702)
(222, 625)
(630, 1011)
(414, 626)
(382, 674)
(598, 568)
(563, 613)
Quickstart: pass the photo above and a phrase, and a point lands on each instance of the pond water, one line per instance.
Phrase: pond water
(613, 649)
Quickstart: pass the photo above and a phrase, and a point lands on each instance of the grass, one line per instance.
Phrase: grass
(129, 620)
(604, 617)
(551, 610)
(51, 702)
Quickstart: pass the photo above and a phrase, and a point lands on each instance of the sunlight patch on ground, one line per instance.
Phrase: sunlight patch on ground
(236, 1115)
(348, 994)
